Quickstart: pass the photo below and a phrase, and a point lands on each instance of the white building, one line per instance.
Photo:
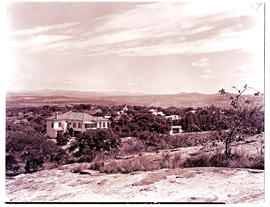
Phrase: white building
(172, 117)
(157, 113)
(176, 130)
(73, 122)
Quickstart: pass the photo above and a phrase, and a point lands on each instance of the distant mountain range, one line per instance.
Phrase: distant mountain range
(62, 97)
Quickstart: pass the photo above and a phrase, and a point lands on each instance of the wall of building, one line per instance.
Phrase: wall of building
(52, 131)
(176, 130)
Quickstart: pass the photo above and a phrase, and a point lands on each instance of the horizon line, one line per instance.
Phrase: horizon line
(112, 91)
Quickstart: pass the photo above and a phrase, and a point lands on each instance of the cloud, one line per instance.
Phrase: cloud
(202, 29)
(146, 30)
(201, 63)
(42, 29)
(38, 42)
(245, 68)
(206, 76)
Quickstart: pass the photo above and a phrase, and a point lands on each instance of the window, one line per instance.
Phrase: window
(59, 124)
(74, 125)
(80, 125)
(52, 125)
(92, 125)
(175, 130)
(104, 124)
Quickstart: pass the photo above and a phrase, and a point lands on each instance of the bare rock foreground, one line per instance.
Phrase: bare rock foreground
(228, 185)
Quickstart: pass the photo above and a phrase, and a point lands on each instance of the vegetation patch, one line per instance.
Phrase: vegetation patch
(28, 151)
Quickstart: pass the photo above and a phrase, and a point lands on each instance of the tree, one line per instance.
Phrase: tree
(90, 142)
(238, 120)
(12, 164)
(32, 149)
(62, 139)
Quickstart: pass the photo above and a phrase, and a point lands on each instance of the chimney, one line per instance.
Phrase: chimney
(56, 115)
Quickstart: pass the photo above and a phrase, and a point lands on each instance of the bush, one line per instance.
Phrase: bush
(91, 142)
(139, 119)
(197, 161)
(153, 140)
(33, 150)
(12, 164)
(236, 160)
(139, 163)
(131, 146)
(218, 160)
(62, 139)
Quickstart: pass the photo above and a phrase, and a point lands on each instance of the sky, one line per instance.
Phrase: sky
(152, 48)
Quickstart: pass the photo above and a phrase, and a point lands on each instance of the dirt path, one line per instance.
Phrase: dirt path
(166, 185)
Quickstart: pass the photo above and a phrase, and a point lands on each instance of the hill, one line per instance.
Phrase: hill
(59, 97)
(78, 183)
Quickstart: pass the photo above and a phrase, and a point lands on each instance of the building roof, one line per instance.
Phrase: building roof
(77, 116)
(175, 127)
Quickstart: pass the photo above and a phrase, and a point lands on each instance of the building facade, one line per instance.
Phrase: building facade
(73, 123)
(176, 130)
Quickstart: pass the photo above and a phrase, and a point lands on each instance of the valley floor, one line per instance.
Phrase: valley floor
(228, 185)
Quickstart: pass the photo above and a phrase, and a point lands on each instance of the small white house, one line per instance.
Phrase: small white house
(157, 113)
(153, 111)
(172, 117)
(73, 123)
(176, 130)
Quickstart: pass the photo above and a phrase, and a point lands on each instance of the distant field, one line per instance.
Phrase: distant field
(65, 98)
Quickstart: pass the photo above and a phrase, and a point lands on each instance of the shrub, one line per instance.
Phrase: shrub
(62, 139)
(79, 168)
(176, 161)
(33, 150)
(218, 160)
(91, 142)
(236, 160)
(98, 165)
(131, 146)
(197, 161)
(12, 164)
(241, 118)
(154, 140)
(242, 160)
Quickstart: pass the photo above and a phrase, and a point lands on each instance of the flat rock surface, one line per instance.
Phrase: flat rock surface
(228, 185)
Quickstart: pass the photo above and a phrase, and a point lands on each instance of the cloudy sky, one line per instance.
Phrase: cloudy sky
(135, 47)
